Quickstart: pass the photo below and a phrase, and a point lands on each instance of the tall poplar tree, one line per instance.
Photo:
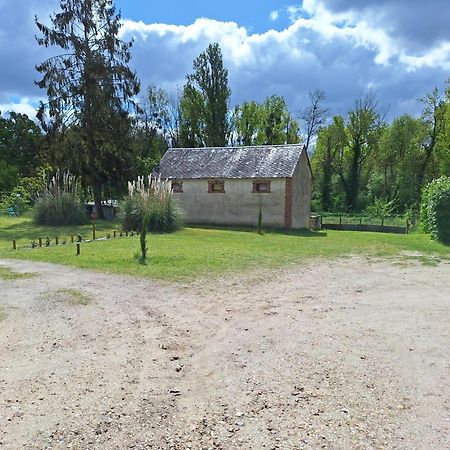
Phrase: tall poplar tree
(204, 103)
(90, 90)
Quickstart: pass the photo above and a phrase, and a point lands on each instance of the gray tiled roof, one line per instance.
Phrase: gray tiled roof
(265, 161)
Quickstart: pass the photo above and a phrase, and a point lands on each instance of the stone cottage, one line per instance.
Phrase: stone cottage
(229, 185)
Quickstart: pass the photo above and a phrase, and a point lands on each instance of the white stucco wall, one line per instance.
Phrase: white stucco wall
(302, 191)
(237, 206)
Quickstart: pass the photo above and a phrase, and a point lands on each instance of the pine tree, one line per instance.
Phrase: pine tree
(90, 89)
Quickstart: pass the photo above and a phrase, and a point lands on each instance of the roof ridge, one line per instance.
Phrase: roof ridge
(237, 146)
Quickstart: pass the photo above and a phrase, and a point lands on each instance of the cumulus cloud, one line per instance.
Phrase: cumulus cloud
(341, 47)
(339, 52)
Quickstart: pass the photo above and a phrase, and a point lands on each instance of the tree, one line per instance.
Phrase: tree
(246, 123)
(314, 116)
(395, 165)
(90, 90)
(363, 131)
(269, 123)
(204, 103)
(433, 116)
(330, 143)
(21, 150)
(154, 130)
(278, 125)
(20, 143)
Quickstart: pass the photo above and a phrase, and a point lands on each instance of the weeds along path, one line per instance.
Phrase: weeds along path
(348, 354)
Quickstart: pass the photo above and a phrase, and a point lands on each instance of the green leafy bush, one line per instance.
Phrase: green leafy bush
(156, 200)
(435, 209)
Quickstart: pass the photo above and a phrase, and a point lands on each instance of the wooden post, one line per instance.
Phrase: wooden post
(71, 238)
(93, 229)
(78, 249)
(40, 242)
(126, 233)
(114, 233)
(14, 244)
(340, 220)
(56, 240)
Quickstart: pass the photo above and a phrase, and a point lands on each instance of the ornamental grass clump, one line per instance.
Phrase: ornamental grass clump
(59, 204)
(152, 196)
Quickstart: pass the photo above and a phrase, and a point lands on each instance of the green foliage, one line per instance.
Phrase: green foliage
(155, 200)
(381, 208)
(269, 123)
(143, 237)
(9, 177)
(59, 205)
(63, 209)
(435, 209)
(21, 147)
(204, 103)
(90, 90)
(163, 214)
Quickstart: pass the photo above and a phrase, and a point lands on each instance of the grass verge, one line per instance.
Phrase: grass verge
(196, 252)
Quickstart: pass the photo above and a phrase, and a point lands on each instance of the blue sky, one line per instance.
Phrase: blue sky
(399, 49)
(254, 15)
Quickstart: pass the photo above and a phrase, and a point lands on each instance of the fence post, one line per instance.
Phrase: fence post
(40, 242)
(56, 240)
(14, 244)
(114, 233)
(71, 238)
(340, 220)
(78, 249)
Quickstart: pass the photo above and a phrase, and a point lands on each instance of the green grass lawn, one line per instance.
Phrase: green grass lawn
(196, 252)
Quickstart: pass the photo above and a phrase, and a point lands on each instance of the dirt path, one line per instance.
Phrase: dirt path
(353, 355)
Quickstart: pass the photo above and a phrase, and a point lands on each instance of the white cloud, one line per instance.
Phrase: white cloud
(24, 106)
(274, 15)
(340, 51)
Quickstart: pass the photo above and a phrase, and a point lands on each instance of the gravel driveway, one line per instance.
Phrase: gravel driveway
(342, 355)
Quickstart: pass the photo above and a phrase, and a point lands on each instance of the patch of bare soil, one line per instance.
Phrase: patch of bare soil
(345, 355)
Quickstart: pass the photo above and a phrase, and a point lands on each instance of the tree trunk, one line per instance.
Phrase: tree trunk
(97, 190)
(353, 181)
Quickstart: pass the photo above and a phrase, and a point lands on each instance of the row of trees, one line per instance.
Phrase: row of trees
(93, 126)
(360, 159)
(200, 116)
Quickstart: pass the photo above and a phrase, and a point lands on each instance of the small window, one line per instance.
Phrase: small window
(216, 187)
(261, 186)
(177, 186)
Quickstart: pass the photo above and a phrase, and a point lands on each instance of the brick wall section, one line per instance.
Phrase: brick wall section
(288, 203)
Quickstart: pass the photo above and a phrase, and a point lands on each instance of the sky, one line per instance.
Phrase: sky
(399, 49)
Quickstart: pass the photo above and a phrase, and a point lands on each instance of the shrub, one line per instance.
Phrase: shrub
(63, 209)
(435, 209)
(59, 205)
(156, 199)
